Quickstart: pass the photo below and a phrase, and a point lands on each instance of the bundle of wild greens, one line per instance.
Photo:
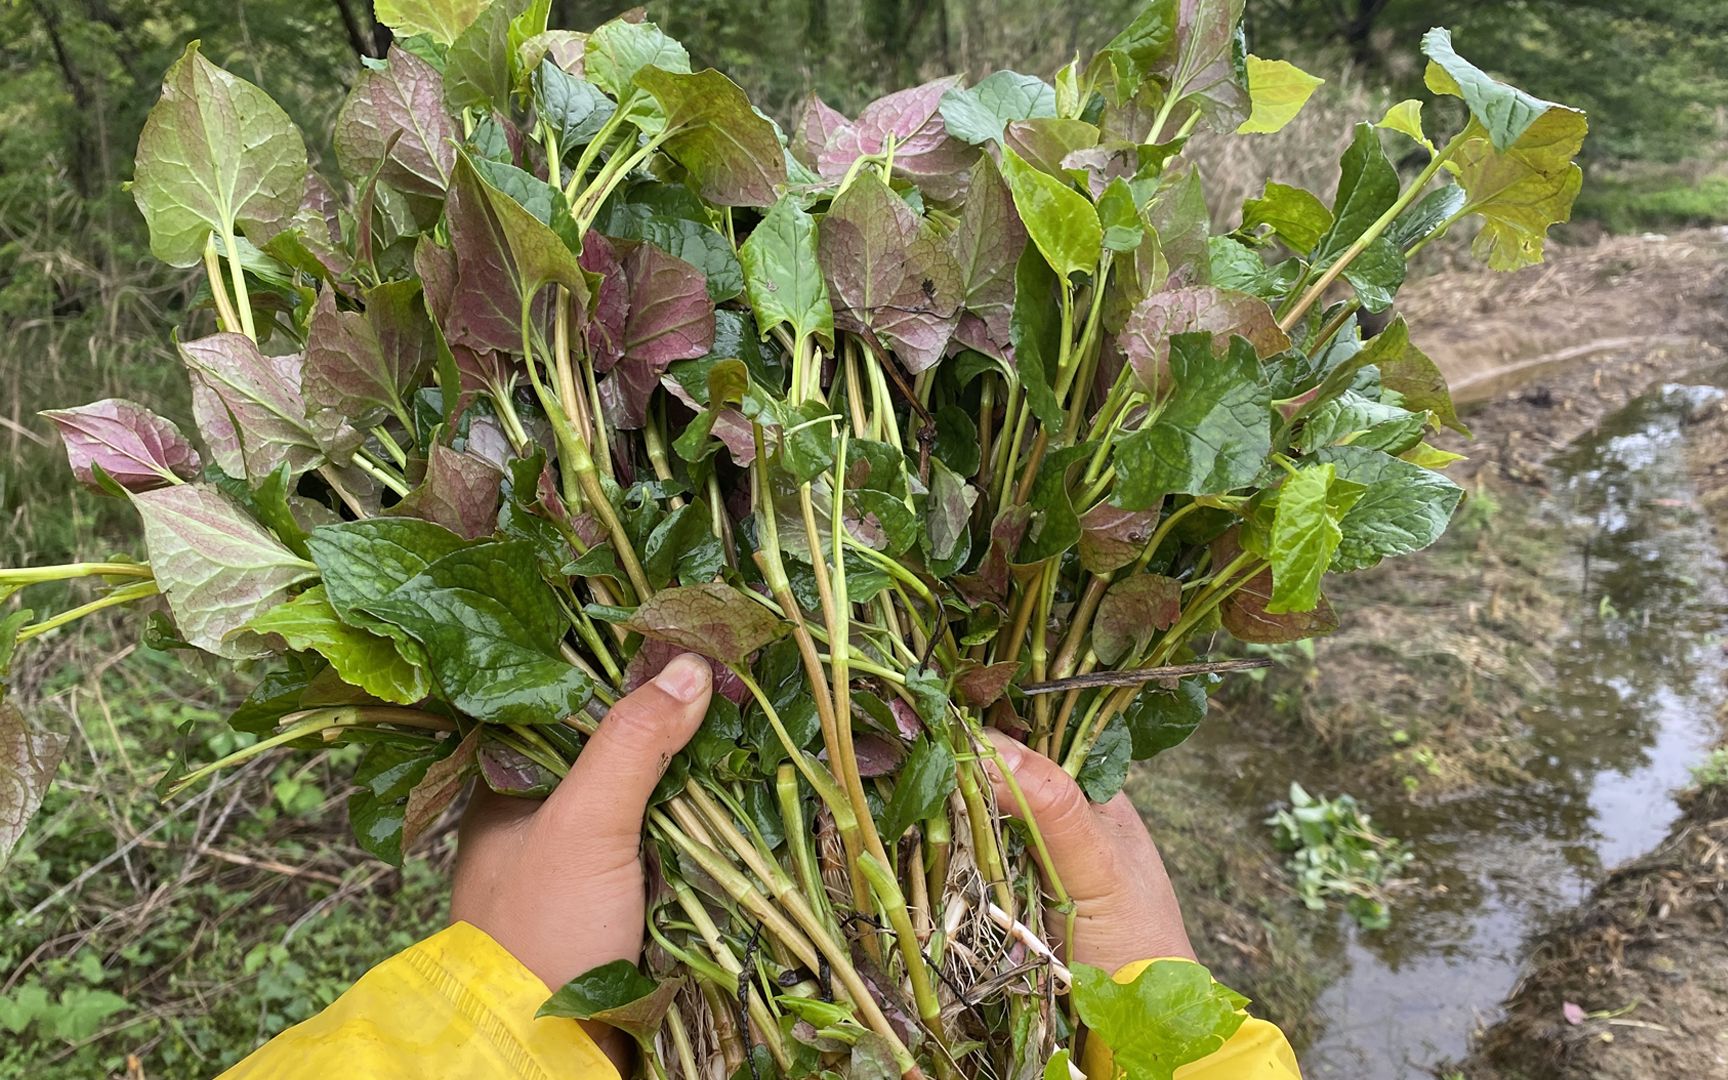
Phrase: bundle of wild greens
(951, 415)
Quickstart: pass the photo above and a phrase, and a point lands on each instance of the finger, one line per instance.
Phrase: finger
(1127, 828)
(608, 788)
(1079, 847)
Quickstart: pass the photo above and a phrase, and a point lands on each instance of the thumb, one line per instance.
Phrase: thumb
(608, 788)
(1079, 846)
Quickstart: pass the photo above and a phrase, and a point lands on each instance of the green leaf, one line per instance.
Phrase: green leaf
(1406, 119)
(1036, 332)
(1159, 719)
(1424, 216)
(1362, 421)
(713, 619)
(440, 20)
(1117, 213)
(491, 631)
(1213, 433)
(1521, 192)
(1057, 1068)
(477, 69)
(575, 108)
(1377, 274)
(1306, 534)
(617, 995)
(673, 219)
(363, 561)
(1135, 52)
(782, 276)
(1105, 769)
(1296, 216)
(925, 780)
(387, 775)
(617, 50)
(218, 568)
(361, 658)
(1368, 185)
(1061, 221)
(1505, 112)
(1055, 526)
(29, 756)
(729, 149)
(979, 114)
(683, 547)
(1404, 509)
(1278, 89)
(1172, 1013)
(215, 154)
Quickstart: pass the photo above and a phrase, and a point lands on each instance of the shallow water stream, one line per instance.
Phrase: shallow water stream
(1640, 675)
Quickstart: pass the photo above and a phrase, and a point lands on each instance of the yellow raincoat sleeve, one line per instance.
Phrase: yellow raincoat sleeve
(458, 1005)
(1258, 1051)
(455, 1005)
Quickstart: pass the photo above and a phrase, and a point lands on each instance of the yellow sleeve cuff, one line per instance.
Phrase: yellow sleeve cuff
(1257, 1051)
(455, 1005)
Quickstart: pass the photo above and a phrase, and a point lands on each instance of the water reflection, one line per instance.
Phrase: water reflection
(1638, 679)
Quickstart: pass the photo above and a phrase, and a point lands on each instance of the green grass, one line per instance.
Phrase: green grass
(231, 914)
(1660, 201)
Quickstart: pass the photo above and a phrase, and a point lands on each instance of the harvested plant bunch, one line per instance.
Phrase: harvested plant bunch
(949, 416)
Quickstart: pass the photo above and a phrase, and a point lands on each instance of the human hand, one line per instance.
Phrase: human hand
(1124, 906)
(559, 884)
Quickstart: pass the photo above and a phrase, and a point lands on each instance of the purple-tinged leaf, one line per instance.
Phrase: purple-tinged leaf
(602, 325)
(652, 656)
(818, 124)
(713, 619)
(1131, 612)
(504, 256)
(986, 247)
(508, 771)
(438, 788)
(1111, 538)
(218, 568)
(1095, 166)
(1046, 142)
(924, 152)
(313, 242)
(405, 100)
(215, 154)
(670, 318)
(730, 151)
(249, 407)
(1206, 69)
(139, 449)
(565, 48)
(28, 757)
(1159, 317)
(981, 686)
(460, 492)
(889, 272)
(1244, 612)
(990, 584)
(358, 365)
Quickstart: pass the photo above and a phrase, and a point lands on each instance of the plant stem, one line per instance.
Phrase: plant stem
(226, 320)
(32, 575)
(242, 302)
(378, 472)
(138, 590)
(1409, 195)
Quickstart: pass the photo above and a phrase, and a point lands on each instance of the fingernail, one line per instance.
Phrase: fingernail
(685, 678)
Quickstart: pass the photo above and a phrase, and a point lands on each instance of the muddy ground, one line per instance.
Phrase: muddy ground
(1421, 694)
